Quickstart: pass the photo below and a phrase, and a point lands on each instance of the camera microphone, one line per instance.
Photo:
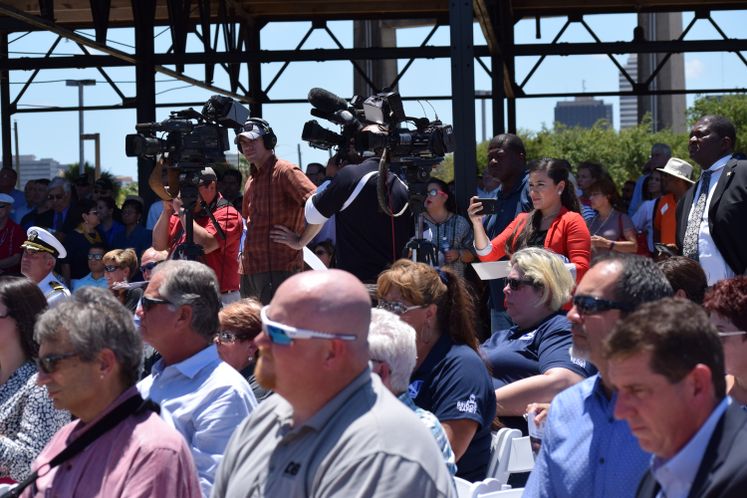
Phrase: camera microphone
(327, 101)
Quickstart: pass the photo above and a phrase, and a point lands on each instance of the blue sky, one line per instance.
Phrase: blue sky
(55, 134)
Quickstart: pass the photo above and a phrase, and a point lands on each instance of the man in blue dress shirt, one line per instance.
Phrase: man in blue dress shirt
(586, 452)
(202, 397)
(667, 365)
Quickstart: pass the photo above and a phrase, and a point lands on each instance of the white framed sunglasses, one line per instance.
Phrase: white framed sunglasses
(283, 335)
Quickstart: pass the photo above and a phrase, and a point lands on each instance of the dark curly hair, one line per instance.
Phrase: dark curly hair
(728, 298)
(25, 302)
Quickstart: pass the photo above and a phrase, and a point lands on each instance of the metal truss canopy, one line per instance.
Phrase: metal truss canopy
(228, 33)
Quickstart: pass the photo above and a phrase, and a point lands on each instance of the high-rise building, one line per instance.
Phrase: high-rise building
(583, 112)
(667, 111)
(629, 103)
(31, 168)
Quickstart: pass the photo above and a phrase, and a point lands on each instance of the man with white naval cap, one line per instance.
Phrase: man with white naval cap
(40, 253)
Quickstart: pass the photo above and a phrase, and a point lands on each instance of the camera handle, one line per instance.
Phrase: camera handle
(188, 249)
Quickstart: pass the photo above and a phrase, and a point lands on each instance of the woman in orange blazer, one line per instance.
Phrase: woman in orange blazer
(554, 223)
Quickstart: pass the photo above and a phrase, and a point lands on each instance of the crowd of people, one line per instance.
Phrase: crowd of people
(619, 329)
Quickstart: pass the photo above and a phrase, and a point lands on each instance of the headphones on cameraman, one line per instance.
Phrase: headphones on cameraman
(268, 136)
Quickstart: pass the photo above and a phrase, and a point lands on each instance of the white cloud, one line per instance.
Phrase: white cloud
(694, 68)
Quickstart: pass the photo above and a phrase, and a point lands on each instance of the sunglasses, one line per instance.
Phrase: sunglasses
(225, 337)
(149, 302)
(590, 305)
(283, 335)
(57, 197)
(435, 192)
(48, 364)
(730, 333)
(515, 283)
(96, 257)
(111, 268)
(148, 266)
(396, 307)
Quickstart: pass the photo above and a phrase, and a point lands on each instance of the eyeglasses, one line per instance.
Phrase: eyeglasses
(226, 337)
(434, 192)
(148, 302)
(396, 307)
(590, 305)
(515, 283)
(111, 268)
(148, 266)
(3, 206)
(97, 257)
(283, 335)
(48, 364)
(53, 197)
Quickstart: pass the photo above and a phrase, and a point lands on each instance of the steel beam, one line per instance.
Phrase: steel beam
(463, 100)
(6, 109)
(144, 12)
(38, 22)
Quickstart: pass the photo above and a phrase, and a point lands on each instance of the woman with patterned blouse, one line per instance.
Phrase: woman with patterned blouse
(28, 419)
(450, 233)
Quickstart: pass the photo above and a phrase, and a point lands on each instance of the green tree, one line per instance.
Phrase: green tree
(732, 107)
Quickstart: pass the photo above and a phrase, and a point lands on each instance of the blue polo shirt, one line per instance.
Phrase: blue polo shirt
(453, 383)
(509, 205)
(516, 354)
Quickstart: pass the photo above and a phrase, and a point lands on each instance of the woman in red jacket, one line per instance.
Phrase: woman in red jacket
(554, 223)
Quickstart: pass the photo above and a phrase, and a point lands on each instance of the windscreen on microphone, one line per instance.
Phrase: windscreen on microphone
(326, 101)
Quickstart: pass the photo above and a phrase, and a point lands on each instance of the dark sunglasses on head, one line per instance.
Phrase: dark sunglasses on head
(396, 307)
(149, 302)
(48, 364)
(97, 257)
(283, 335)
(110, 268)
(589, 305)
(53, 197)
(148, 266)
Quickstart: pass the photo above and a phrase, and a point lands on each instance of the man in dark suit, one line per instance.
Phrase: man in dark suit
(667, 364)
(710, 217)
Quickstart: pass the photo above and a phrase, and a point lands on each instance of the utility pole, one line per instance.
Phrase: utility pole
(80, 84)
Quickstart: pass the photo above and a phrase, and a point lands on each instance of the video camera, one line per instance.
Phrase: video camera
(192, 138)
(192, 141)
(412, 152)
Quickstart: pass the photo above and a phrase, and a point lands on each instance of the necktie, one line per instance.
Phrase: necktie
(690, 244)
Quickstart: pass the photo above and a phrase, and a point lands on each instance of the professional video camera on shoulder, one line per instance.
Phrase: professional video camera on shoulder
(192, 138)
(428, 139)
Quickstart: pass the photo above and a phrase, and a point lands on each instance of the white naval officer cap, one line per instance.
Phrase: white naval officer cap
(38, 239)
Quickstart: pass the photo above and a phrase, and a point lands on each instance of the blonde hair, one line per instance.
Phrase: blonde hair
(123, 258)
(548, 271)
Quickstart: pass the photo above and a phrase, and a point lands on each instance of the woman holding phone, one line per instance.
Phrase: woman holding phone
(554, 223)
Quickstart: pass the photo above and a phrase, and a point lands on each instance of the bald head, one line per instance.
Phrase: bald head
(329, 301)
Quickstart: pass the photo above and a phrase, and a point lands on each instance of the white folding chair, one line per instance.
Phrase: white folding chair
(497, 449)
(498, 467)
(466, 489)
(521, 458)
